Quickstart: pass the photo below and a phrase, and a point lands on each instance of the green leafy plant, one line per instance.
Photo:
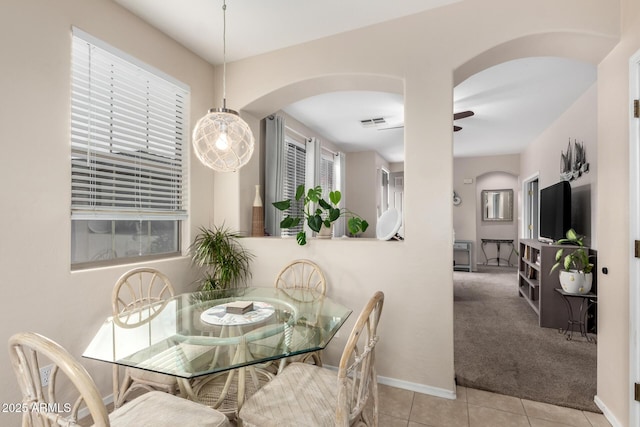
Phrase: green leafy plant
(318, 212)
(226, 262)
(576, 260)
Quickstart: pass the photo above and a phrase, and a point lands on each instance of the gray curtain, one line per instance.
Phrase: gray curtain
(312, 169)
(312, 174)
(274, 173)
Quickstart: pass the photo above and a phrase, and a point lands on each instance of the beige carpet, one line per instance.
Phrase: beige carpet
(499, 346)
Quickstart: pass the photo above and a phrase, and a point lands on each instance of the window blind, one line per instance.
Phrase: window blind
(295, 165)
(326, 173)
(128, 124)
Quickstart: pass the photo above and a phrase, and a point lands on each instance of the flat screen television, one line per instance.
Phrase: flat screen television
(555, 211)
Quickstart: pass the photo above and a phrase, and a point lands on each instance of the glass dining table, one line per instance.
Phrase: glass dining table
(197, 336)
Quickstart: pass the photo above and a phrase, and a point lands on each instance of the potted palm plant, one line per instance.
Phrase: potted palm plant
(226, 262)
(576, 276)
(318, 213)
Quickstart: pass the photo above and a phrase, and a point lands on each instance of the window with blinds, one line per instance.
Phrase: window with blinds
(128, 159)
(327, 181)
(295, 166)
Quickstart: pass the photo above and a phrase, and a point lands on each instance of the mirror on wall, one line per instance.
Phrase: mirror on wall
(497, 205)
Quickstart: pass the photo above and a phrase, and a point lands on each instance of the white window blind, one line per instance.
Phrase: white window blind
(327, 180)
(295, 165)
(128, 158)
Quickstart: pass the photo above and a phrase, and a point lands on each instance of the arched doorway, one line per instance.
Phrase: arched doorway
(546, 168)
(428, 85)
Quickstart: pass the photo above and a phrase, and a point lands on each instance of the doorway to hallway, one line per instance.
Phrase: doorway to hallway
(530, 207)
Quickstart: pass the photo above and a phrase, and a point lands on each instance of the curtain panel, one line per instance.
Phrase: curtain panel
(274, 173)
(340, 226)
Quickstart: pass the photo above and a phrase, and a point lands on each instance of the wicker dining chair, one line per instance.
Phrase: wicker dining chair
(302, 273)
(136, 299)
(29, 351)
(305, 274)
(308, 395)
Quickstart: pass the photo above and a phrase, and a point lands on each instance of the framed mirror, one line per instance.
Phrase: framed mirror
(497, 205)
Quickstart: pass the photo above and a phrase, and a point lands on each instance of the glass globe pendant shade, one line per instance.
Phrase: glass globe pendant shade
(222, 140)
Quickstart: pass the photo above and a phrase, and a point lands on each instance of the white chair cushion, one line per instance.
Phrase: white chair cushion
(160, 409)
(301, 395)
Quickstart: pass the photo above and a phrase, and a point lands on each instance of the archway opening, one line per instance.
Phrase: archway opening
(539, 155)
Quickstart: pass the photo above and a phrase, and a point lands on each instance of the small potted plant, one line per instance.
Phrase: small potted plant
(319, 213)
(225, 260)
(576, 276)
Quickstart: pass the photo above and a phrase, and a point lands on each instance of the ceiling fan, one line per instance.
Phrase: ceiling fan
(461, 115)
(456, 116)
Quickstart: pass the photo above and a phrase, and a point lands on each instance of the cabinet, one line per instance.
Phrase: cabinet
(536, 283)
(465, 246)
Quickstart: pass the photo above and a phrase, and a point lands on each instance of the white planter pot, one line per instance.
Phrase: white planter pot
(574, 282)
(325, 232)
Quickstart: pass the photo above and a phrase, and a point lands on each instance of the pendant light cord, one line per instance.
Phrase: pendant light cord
(224, 54)
(221, 140)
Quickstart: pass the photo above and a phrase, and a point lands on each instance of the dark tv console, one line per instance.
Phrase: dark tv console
(537, 286)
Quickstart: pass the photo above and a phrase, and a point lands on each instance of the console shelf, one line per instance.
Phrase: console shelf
(536, 283)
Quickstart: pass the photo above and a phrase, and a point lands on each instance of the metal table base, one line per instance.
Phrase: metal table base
(587, 300)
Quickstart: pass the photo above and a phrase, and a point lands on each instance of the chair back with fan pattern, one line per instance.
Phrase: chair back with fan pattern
(357, 377)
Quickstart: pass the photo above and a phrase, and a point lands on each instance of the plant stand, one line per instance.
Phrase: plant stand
(587, 300)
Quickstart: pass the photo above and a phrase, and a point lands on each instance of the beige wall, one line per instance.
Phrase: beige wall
(466, 172)
(613, 220)
(40, 293)
(411, 54)
(363, 186)
(415, 274)
(579, 122)
(542, 156)
(304, 131)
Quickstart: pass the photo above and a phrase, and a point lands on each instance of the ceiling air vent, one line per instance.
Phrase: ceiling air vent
(370, 123)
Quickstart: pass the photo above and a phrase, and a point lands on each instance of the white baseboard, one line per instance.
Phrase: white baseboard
(448, 394)
(419, 388)
(607, 413)
(406, 385)
(84, 412)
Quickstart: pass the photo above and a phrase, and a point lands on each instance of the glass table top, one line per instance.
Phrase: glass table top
(200, 333)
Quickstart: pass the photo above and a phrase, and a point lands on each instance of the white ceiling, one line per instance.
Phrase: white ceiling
(337, 116)
(513, 102)
(259, 26)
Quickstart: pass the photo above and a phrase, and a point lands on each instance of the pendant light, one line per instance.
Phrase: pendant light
(221, 139)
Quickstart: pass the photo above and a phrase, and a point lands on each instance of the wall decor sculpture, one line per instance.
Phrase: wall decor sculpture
(573, 163)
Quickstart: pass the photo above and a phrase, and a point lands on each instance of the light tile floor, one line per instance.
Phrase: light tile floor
(476, 408)
(472, 408)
